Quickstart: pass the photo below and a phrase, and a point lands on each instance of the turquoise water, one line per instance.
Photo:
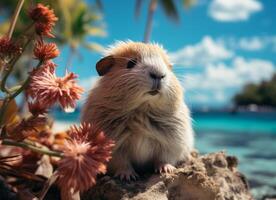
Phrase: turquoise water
(251, 137)
(249, 122)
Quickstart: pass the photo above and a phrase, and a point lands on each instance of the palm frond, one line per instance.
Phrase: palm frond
(96, 31)
(92, 46)
(99, 4)
(170, 9)
(188, 3)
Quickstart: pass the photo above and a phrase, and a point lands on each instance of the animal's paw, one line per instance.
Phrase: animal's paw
(164, 168)
(127, 175)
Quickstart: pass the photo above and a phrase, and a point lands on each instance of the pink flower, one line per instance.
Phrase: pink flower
(44, 19)
(44, 51)
(85, 155)
(45, 87)
(47, 65)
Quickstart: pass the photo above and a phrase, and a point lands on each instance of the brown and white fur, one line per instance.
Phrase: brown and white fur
(138, 102)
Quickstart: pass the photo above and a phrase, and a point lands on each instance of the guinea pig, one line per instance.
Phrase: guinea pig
(138, 102)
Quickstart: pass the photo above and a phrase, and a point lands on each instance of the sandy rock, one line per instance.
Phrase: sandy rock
(209, 177)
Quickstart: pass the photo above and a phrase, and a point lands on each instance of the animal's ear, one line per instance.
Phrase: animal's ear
(104, 65)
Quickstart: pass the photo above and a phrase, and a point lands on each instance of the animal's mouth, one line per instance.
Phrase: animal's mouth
(156, 87)
(153, 92)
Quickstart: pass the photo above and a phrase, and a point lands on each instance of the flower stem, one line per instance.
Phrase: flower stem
(14, 18)
(31, 147)
(10, 95)
(9, 69)
(25, 84)
(3, 109)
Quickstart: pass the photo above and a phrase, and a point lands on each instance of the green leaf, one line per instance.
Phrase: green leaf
(170, 9)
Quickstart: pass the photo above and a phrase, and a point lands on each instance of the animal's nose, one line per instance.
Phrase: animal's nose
(156, 76)
(156, 80)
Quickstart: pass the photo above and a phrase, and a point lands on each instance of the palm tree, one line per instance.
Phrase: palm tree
(169, 7)
(80, 22)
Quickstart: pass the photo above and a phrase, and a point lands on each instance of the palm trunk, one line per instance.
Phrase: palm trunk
(152, 8)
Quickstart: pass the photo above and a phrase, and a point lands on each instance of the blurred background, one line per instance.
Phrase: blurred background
(223, 53)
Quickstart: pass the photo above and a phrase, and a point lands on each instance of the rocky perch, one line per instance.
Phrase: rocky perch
(208, 177)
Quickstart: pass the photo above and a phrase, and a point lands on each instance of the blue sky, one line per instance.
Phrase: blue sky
(217, 46)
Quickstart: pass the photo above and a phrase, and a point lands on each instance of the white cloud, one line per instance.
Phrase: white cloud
(217, 80)
(252, 44)
(221, 76)
(206, 51)
(198, 98)
(233, 10)
(206, 97)
(272, 41)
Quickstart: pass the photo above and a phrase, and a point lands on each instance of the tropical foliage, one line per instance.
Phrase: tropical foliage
(79, 22)
(263, 94)
(168, 6)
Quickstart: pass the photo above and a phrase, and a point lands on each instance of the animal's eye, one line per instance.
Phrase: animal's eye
(131, 63)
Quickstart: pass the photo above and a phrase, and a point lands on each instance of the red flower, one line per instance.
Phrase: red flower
(44, 30)
(8, 48)
(44, 19)
(37, 108)
(85, 155)
(44, 51)
(48, 89)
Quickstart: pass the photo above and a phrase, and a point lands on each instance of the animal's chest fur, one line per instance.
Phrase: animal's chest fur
(147, 138)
